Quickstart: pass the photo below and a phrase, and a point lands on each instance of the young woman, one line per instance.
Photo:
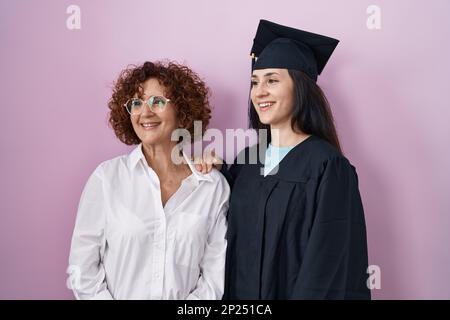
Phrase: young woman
(296, 227)
(148, 227)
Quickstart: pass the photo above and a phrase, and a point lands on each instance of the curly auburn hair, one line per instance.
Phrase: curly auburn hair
(183, 87)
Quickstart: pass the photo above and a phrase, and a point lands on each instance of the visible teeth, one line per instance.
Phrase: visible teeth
(147, 125)
(265, 104)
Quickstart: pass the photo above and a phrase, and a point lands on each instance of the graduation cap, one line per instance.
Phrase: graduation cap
(278, 46)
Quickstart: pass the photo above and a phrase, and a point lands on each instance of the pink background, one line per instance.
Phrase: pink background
(388, 90)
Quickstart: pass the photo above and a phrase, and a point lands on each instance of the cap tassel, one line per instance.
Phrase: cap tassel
(253, 59)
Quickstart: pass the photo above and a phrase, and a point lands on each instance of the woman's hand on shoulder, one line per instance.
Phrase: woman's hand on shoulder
(208, 162)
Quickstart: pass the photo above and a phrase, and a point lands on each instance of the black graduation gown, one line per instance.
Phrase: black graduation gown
(297, 234)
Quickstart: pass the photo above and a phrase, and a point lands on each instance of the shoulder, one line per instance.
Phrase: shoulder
(215, 188)
(111, 167)
(311, 159)
(219, 182)
(325, 159)
(320, 150)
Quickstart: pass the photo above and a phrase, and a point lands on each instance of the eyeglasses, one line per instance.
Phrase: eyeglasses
(156, 104)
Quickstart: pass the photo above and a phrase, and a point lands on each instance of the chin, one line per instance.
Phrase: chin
(150, 140)
(265, 120)
(153, 139)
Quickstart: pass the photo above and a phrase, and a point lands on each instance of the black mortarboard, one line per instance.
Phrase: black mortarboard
(277, 46)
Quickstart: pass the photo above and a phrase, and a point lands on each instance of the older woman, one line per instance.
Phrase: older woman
(148, 227)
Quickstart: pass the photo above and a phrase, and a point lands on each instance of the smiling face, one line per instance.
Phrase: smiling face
(272, 94)
(154, 128)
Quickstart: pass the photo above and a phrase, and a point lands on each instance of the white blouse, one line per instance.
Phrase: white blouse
(126, 245)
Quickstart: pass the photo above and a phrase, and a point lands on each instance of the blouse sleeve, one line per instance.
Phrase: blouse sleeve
(210, 285)
(88, 278)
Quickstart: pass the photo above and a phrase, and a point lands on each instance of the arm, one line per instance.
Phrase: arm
(210, 284)
(335, 260)
(88, 280)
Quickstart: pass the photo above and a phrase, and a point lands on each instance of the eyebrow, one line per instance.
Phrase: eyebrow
(266, 75)
(147, 96)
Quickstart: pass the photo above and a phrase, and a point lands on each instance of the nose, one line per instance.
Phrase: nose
(146, 111)
(260, 90)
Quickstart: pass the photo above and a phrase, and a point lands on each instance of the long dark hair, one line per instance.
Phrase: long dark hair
(311, 115)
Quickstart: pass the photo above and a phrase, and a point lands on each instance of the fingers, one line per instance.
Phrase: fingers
(207, 162)
(203, 164)
(198, 164)
(210, 160)
(209, 167)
